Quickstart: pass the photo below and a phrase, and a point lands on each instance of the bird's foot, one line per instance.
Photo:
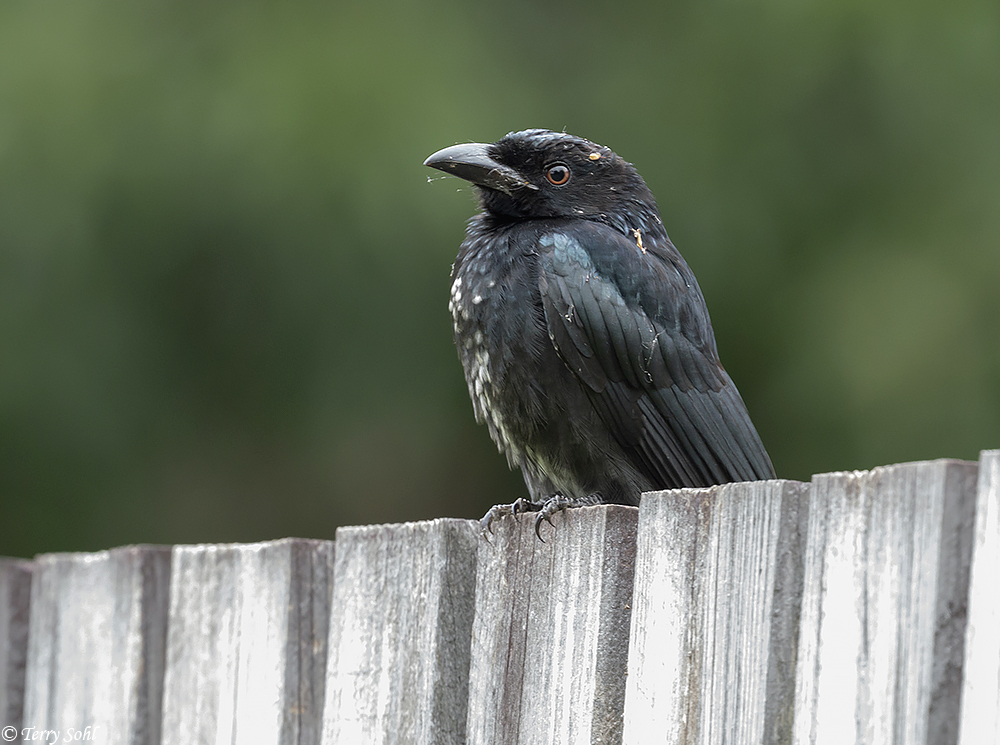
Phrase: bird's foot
(501, 510)
(558, 503)
(551, 506)
(555, 503)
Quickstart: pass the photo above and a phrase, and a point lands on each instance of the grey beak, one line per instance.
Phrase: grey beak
(473, 163)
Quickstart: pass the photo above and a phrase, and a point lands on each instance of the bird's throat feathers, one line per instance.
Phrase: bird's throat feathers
(500, 211)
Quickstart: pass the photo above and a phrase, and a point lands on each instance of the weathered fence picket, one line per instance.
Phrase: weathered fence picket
(883, 616)
(400, 634)
(861, 607)
(15, 594)
(550, 636)
(980, 722)
(246, 643)
(716, 614)
(95, 644)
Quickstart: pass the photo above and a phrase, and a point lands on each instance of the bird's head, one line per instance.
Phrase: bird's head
(538, 173)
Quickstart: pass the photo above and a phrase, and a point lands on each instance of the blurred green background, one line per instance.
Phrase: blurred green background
(224, 273)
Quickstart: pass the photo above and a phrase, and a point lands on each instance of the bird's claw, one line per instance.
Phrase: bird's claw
(551, 506)
(492, 514)
(498, 511)
(521, 504)
(545, 510)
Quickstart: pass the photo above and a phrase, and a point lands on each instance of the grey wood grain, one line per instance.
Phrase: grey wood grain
(15, 597)
(400, 633)
(883, 616)
(246, 647)
(95, 644)
(981, 690)
(715, 614)
(550, 637)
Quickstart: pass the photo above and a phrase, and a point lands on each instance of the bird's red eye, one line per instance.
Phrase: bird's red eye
(557, 174)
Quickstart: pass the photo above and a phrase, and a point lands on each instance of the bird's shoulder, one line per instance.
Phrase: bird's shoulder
(629, 321)
(641, 275)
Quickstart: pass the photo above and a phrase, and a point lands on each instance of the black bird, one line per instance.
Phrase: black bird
(585, 339)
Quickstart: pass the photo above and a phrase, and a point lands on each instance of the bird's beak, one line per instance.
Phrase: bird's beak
(473, 163)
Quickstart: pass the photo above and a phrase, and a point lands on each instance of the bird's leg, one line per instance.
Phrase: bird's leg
(500, 510)
(554, 504)
(558, 503)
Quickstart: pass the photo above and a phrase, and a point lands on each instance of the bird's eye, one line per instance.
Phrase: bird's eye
(557, 174)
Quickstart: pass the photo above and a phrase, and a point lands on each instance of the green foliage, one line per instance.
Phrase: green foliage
(224, 274)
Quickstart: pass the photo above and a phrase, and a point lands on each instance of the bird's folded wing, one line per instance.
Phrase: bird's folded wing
(631, 327)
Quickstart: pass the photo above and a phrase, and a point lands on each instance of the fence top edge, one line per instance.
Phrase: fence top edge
(715, 488)
(31, 564)
(15, 563)
(51, 557)
(254, 546)
(416, 525)
(909, 465)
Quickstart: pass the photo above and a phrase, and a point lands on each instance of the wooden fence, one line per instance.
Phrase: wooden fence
(862, 607)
